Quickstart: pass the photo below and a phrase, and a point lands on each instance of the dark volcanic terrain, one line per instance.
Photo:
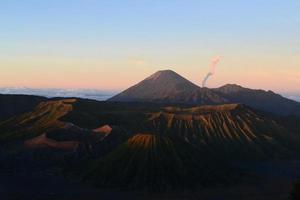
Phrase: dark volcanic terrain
(164, 136)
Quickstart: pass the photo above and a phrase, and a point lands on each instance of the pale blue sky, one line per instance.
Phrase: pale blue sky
(183, 34)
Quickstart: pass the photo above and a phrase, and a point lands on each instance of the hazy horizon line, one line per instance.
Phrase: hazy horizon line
(124, 88)
(91, 93)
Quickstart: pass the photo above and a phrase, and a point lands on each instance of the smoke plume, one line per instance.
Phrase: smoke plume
(212, 69)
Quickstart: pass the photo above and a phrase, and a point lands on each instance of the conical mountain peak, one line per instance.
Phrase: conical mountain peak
(164, 74)
(166, 86)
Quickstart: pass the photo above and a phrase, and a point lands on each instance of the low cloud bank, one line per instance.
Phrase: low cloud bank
(94, 94)
(295, 97)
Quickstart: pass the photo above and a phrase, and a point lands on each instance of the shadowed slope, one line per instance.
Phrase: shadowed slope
(148, 161)
(259, 99)
(11, 105)
(233, 130)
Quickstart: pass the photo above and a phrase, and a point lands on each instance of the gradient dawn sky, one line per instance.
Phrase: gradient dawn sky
(112, 44)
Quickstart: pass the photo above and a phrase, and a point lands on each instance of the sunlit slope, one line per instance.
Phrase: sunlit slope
(44, 117)
(233, 129)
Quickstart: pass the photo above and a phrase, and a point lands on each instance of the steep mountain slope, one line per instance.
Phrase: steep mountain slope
(259, 99)
(232, 130)
(154, 162)
(170, 88)
(182, 146)
(43, 117)
(11, 105)
(191, 147)
(166, 86)
(43, 128)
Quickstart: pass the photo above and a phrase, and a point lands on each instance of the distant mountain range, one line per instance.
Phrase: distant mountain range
(167, 87)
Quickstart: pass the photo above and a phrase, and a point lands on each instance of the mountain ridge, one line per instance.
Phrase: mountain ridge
(268, 101)
(228, 127)
(166, 86)
(143, 146)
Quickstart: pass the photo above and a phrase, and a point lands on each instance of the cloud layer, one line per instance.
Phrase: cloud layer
(80, 93)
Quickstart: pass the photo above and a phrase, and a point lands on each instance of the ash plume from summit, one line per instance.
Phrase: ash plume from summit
(213, 65)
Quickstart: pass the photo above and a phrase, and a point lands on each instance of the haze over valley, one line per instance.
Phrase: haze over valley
(95, 94)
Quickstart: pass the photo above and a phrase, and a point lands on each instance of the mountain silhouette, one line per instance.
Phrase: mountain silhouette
(168, 87)
(259, 99)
